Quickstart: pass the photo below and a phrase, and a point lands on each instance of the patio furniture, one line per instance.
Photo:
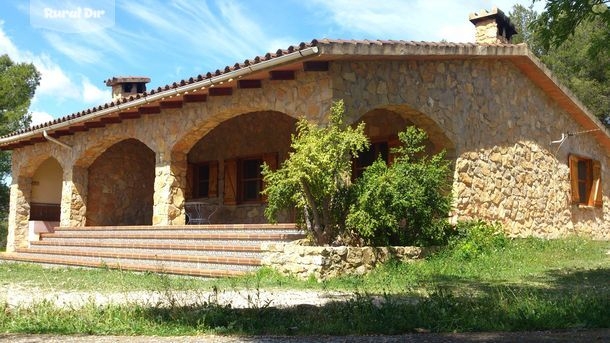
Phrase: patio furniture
(199, 212)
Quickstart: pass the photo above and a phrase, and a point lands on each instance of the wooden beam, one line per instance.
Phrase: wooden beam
(110, 120)
(149, 110)
(60, 133)
(281, 75)
(188, 98)
(247, 84)
(315, 66)
(93, 124)
(37, 140)
(220, 91)
(78, 128)
(129, 115)
(171, 104)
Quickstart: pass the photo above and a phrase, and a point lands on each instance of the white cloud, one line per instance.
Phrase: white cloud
(410, 20)
(93, 94)
(77, 53)
(40, 117)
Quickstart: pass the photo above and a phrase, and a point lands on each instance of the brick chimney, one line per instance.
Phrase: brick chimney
(492, 27)
(126, 86)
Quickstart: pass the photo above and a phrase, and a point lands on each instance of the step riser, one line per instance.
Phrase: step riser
(255, 243)
(159, 264)
(177, 232)
(227, 253)
(207, 227)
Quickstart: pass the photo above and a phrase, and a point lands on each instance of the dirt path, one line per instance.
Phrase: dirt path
(590, 336)
(19, 296)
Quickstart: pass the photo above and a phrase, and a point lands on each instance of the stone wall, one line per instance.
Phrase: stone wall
(328, 262)
(494, 120)
(501, 125)
(247, 135)
(120, 188)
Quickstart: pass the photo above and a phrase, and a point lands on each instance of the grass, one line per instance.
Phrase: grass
(526, 284)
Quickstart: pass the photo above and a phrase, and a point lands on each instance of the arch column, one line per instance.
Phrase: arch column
(74, 196)
(19, 213)
(170, 183)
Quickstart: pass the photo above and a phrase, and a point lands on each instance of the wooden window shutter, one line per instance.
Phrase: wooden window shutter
(596, 187)
(573, 163)
(191, 180)
(393, 143)
(213, 181)
(271, 160)
(230, 183)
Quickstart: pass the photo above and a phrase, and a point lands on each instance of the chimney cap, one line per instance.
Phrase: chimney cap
(496, 14)
(124, 79)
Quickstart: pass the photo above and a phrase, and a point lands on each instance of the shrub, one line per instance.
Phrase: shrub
(3, 234)
(475, 238)
(407, 202)
(315, 178)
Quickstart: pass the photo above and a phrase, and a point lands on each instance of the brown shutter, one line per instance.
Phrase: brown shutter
(191, 180)
(230, 186)
(393, 143)
(596, 187)
(573, 162)
(213, 182)
(271, 161)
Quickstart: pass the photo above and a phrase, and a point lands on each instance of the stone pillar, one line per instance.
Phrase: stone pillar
(74, 196)
(19, 213)
(170, 185)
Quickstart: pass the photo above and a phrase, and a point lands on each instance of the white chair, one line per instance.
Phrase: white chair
(199, 212)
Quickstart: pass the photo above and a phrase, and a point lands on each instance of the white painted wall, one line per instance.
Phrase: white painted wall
(46, 183)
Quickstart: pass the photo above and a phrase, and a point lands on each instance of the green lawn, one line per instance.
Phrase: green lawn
(529, 284)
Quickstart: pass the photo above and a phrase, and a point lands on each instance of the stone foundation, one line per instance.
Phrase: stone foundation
(328, 262)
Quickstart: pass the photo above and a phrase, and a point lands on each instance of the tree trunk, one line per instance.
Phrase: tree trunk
(317, 228)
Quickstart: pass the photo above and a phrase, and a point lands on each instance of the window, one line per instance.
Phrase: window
(204, 179)
(366, 158)
(127, 87)
(250, 180)
(585, 179)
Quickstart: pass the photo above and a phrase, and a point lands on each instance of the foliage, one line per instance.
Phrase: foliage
(3, 234)
(18, 82)
(407, 202)
(315, 177)
(561, 18)
(475, 238)
(586, 74)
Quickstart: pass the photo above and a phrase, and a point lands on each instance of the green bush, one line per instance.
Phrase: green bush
(407, 202)
(315, 179)
(3, 234)
(475, 238)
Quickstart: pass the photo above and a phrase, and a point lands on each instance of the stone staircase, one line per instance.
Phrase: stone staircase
(197, 250)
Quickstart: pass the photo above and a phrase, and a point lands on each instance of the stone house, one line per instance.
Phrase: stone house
(142, 158)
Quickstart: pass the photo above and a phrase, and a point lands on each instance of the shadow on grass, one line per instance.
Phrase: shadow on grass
(569, 301)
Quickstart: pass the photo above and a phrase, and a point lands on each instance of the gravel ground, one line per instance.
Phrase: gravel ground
(590, 336)
(19, 296)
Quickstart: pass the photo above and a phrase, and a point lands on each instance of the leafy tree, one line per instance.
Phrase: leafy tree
(561, 18)
(587, 75)
(315, 178)
(407, 202)
(18, 82)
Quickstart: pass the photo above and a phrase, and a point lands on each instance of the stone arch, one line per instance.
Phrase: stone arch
(88, 153)
(46, 191)
(391, 119)
(120, 185)
(262, 136)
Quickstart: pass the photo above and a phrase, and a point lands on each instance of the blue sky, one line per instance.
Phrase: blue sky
(175, 39)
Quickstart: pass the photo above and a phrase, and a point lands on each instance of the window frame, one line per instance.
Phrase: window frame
(240, 179)
(197, 180)
(590, 180)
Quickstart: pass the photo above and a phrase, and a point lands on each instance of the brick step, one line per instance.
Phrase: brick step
(161, 248)
(251, 261)
(137, 267)
(183, 261)
(204, 227)
(202, 242)
(174, 236)
(175, 230)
